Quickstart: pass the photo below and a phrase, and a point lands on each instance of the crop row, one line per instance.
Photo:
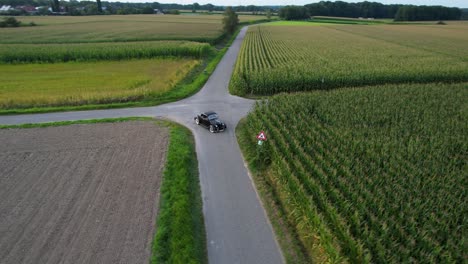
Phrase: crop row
(52, 53)
(276, 59)
(376, 174)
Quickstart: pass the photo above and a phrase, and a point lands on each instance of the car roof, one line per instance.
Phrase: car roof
(210, 113)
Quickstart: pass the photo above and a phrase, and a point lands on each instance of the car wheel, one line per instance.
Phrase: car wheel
(212, 129)
(197, 121)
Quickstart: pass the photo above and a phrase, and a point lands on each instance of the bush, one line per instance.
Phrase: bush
(173, 12)
(10, 22)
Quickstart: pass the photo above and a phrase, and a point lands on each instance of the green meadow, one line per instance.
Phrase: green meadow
(80, 83)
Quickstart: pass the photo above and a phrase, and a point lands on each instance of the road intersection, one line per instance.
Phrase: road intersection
(238, 230)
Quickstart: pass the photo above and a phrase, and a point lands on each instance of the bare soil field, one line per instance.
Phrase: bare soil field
(80, 193)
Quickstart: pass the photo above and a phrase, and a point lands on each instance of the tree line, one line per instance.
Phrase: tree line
(94, 7)
(370, 10)
(343, 9)
(422, 13)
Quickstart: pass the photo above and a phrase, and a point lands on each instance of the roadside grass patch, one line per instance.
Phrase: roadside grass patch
(180, 233)
(66, 123)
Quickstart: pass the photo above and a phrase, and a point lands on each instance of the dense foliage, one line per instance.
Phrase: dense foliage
(379, 10)
(230, 20)
(9, 22)
(369, 175)
(427, 13)
(344, 9)
(92, 7)
(464, 15)
(276, 59)
(294, 13)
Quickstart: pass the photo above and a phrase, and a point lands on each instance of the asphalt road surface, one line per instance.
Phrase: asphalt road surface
(237, 227)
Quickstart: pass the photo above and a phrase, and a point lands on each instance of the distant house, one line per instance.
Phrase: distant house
(27, 8)
(6, 8)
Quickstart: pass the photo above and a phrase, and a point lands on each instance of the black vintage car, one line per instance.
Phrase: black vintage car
(211, 121)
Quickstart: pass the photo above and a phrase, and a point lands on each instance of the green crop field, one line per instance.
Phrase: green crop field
(31, 53)
(117, 28)
(368, 175)
(68, 62)
(81, 83)
(277, 59)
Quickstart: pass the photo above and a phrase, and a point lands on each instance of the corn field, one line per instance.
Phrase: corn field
(119, 28)
(276, 59)
(370, 175)
(53, 53)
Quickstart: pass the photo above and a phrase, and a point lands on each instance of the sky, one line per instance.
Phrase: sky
(450, 3)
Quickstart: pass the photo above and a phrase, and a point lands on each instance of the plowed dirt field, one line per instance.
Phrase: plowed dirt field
(80, 193)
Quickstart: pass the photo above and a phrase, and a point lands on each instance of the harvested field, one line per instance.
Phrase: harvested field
(80, 193)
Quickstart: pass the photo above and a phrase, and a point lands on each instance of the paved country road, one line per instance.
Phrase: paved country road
(238, 230)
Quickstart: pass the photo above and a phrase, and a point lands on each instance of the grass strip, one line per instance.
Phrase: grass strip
(75, 122)
(180, 235)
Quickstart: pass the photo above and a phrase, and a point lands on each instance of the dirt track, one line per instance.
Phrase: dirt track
(80, 193)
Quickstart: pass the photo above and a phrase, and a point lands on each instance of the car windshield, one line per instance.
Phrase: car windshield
(213, 117)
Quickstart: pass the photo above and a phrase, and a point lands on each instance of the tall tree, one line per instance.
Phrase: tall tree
(268, 13)
(56, 6)
(230, 20)
(195, 7)
(99, 6)
(210, 7)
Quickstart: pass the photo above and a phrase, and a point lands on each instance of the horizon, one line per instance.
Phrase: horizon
(447, 3)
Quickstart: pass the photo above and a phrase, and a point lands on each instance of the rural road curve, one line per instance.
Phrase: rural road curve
(237, 227)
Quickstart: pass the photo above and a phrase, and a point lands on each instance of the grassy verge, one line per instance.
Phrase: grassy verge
(292, 250)
(180, 235)
(66, 123)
